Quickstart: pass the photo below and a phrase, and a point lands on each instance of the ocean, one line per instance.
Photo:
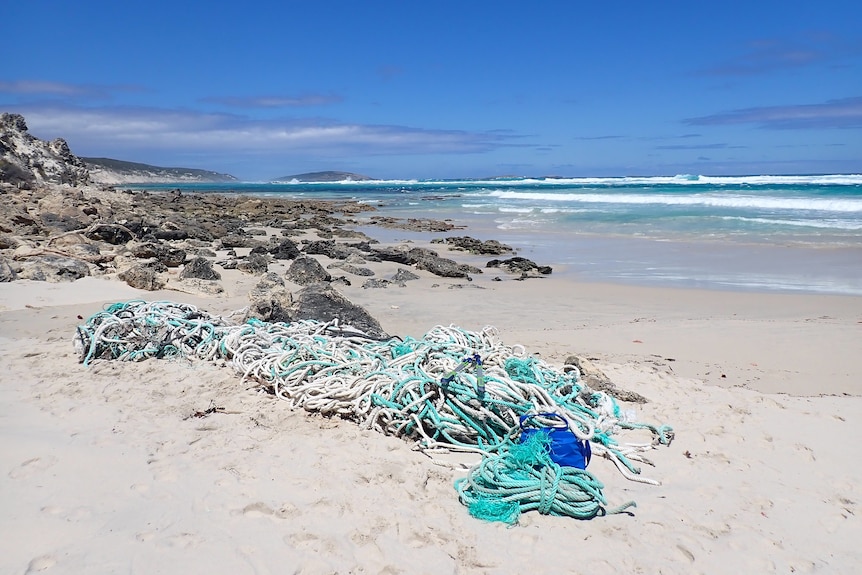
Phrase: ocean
(763, 233)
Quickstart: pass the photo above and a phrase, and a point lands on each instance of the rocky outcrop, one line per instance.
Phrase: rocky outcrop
(428, 260)
(26, 160)
(474, 246)
(523, 266)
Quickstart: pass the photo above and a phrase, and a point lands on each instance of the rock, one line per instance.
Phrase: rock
(199, 268)
(285, 250)
(142, 276)
(54, 222)
(428, 260)
(270, 300)
(109, 233)
(196, 286)
(53, 269)
(170, 257)
(403, 275)
(595, 379)
(25, 159)
(414, 224)
(170, 235)
(237, 241)
(376, 283)
(269, 282)
(146, 250)
(329, 248)
(520, 265)
(253, 264)
(173, 257)
(306, 270)
(322, 302)
(7, 274)
(355, 270)
(444, 267)
(474, 246)
(230, 264)
(8, 242)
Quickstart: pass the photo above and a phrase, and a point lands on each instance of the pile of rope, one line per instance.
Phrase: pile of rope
(523, 477)
(414, 389)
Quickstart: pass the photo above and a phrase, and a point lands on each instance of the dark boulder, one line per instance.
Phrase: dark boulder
(254, 264)
(306, 270)
(329, 248)
(171, 257)
(428, 260)
(109, 233)
(474, 246)
(321, 302)
(520, 265)
(142, 276)
(53, 268)
(285, 250)
(199, 268)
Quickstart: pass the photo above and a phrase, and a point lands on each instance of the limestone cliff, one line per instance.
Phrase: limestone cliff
(27, 160)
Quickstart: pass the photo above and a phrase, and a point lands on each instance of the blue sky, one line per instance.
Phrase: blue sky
(403, 89)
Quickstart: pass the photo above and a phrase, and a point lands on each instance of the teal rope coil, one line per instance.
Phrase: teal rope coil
(521, 478)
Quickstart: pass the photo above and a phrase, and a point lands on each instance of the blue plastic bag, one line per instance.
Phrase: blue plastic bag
(565, 448)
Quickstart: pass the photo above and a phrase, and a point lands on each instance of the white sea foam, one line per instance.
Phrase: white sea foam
(825, 224)
(679, 179)
(728, 201)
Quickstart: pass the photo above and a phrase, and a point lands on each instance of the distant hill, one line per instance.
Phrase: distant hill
(324, 177)
(109, 171)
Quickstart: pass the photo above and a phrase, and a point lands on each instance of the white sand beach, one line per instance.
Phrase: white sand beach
(106, 469)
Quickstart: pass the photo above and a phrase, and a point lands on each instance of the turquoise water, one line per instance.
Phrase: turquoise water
(781, 233)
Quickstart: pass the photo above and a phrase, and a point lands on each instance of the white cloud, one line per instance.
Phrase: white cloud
(843, 113)
(186, 131)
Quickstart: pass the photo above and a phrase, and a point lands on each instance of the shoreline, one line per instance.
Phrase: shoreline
(109, 470)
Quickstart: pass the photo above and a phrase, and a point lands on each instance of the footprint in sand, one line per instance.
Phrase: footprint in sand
(309, 542)
(41, 563)
(32, 467)
(257, 509)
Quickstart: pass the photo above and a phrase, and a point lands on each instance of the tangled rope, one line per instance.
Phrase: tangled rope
(398, 387)
(522, 477)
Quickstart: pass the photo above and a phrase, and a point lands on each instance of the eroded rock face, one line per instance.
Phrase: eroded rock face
(25, 159)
